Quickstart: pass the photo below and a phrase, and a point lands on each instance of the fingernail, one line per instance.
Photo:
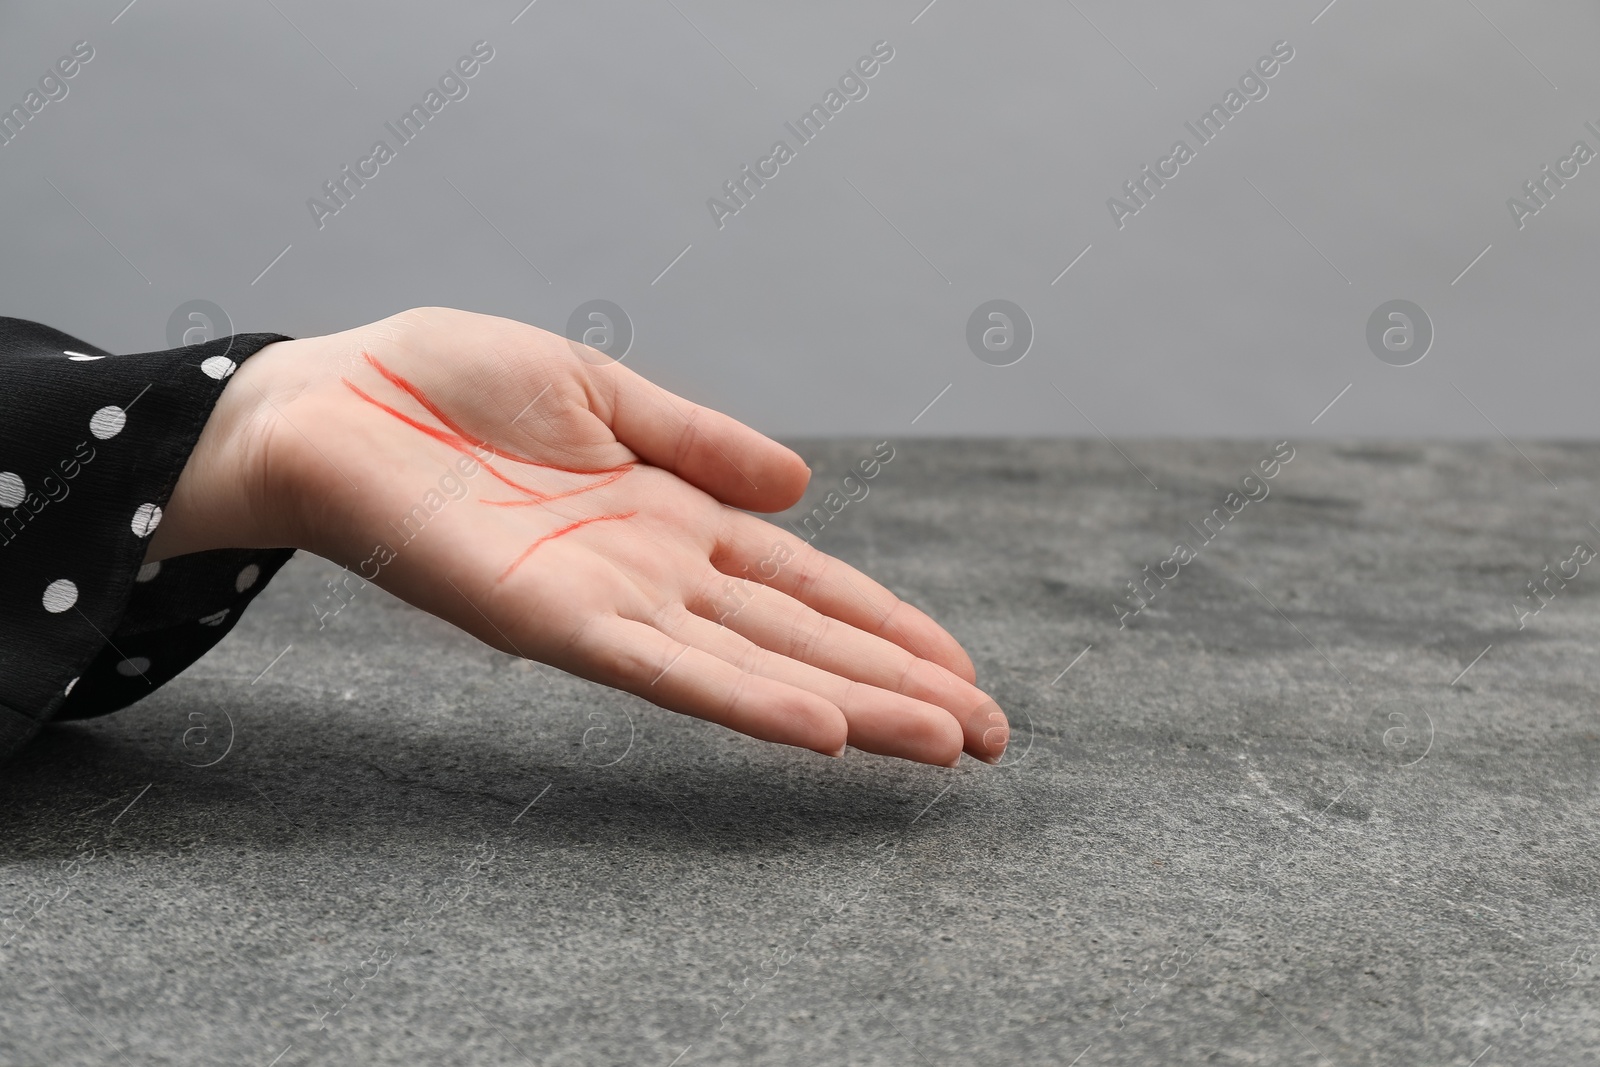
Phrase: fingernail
(998, 735)
(839, 753)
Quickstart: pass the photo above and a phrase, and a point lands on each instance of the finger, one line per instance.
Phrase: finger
(889, 724)
(783, 625)
(748, 547)
(642, 660)
(706, 448)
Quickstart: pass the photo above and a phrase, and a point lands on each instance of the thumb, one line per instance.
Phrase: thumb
(709, 450)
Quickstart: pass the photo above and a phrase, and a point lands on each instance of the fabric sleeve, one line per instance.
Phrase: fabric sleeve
(91, 447)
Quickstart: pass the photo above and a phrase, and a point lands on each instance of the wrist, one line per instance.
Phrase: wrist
(235, 490)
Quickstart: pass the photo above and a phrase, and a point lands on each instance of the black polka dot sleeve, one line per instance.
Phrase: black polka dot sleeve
(91, 446)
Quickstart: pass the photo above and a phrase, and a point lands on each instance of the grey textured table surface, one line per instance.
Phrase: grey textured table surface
(1292, 813)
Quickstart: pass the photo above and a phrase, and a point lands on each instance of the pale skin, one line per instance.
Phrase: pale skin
(599, 533)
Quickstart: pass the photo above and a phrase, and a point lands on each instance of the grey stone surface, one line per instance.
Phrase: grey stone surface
(1270, 822)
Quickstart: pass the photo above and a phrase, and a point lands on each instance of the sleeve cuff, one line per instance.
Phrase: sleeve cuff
(91, 448)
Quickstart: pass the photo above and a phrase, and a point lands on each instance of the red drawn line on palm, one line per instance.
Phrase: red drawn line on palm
(553, 496)
(434, 410)
(558, 533)
(455, 441)
(468, 445)
(459, 440)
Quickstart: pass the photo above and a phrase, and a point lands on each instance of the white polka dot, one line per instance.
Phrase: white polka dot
(11, 490)
(60, 595)
(219, 367)
(146, 519)
(147, 572)
(247, 578)
(215, 619)
(68, 691)
(133, 667)
(108, 422)
(79, 357)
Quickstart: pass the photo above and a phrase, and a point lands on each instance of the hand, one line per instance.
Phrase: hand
(557, 506)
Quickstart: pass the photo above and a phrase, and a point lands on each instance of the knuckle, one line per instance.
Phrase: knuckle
(734, 699)
(809, 637)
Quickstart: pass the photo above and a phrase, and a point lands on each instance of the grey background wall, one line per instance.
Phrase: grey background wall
(978, 166)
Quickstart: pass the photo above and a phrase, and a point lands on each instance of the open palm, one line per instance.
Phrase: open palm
(558, 506)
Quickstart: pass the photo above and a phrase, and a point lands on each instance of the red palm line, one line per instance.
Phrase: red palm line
(455, 441)
(460, 440)
(433, 409)
(556, 496)
(555, 534)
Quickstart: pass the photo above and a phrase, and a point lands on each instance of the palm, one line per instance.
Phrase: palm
(559, 507)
